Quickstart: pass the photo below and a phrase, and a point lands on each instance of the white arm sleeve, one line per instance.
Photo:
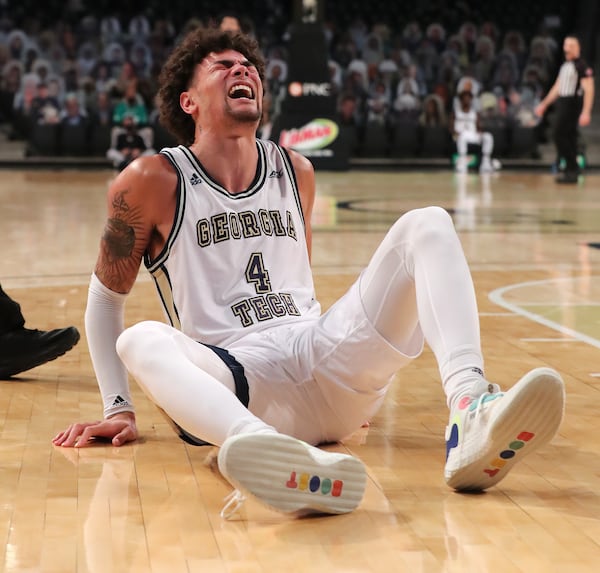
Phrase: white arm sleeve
(104, 322)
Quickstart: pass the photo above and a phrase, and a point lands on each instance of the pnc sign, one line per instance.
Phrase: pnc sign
(298, 89)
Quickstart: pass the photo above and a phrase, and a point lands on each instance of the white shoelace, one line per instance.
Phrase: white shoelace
(234, 502)
(481, 399)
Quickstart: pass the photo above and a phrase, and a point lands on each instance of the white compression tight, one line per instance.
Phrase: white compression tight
(187, 380)
(485, 139)
(418, 277)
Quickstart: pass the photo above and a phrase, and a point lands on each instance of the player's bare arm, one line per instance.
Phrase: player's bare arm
(141, 203)
(305, 176)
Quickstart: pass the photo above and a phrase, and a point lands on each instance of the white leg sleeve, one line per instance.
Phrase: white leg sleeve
(467, 137)
(115, 156)
(487, 143)
(187, 380)
(461, 143)
(419, 278)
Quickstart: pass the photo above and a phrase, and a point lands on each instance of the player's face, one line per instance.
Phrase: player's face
(571, 48)
(227, 86)
(466, 100)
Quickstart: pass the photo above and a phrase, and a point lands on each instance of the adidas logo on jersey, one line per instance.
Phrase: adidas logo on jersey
(276, 173)
(194, 179)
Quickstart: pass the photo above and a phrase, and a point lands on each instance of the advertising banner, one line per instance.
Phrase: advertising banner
(307, 119)
(321, 139)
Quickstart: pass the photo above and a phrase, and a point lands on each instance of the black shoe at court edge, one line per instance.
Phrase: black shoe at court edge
(24, 349)
(568, 177)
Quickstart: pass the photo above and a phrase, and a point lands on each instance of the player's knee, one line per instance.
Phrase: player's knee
(431, 226)
(140, 340)
(423, 227)
(422, 223)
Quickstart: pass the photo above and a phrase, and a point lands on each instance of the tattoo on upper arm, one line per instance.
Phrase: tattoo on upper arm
(123, 228)
(119, 238)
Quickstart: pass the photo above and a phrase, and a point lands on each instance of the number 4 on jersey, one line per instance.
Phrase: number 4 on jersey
(257, 275)
(267, 305)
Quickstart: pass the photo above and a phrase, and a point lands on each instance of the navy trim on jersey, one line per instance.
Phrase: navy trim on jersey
(256, 185)
(180, 192)
(239, 376)
(166, 307)
(289, 167)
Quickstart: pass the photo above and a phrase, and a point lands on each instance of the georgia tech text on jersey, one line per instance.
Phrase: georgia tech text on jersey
(245, 224)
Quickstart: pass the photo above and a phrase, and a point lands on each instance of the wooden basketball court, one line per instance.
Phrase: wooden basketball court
(153, 506)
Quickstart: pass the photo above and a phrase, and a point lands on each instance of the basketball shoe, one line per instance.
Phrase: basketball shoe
(490, 430)
(291, 476)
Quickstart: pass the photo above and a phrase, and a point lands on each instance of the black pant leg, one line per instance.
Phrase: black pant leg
(10, 313)
(568, 110)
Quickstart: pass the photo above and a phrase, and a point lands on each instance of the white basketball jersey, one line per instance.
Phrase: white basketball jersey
(235, 263)
(465, 121)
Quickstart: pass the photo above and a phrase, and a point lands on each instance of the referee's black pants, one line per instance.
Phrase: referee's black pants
(568, 110)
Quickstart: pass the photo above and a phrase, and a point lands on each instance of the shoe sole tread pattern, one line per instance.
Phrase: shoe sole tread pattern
(515, 434)
(290, 476)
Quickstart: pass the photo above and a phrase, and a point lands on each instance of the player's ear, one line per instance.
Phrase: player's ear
(187, 102)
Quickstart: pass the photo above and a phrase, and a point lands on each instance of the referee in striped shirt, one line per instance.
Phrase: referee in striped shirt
(573, 92)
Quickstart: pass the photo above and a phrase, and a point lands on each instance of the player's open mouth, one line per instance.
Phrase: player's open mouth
(238, 91)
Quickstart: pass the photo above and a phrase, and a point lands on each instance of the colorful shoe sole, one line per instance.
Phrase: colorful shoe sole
(291, 476)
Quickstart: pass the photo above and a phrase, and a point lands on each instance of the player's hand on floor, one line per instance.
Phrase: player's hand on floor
(119, 429)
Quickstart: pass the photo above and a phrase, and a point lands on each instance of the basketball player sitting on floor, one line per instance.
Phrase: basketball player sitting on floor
(465, 128)
(248, 362)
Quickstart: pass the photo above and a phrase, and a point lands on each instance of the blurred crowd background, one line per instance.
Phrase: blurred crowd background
(86, 67)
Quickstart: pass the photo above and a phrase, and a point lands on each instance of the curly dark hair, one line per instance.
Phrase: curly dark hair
(178, 71)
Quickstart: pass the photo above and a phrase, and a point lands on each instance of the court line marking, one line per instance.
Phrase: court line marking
(562, 304)
(497, 297)
(496, 314)
(43, 281)
(548, 340)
